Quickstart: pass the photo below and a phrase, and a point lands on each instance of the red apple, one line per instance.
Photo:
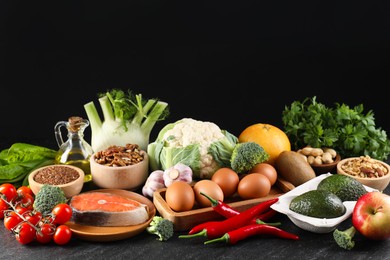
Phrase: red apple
(371, 215)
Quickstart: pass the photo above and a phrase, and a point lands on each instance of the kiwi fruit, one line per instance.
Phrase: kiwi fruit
(294, 168)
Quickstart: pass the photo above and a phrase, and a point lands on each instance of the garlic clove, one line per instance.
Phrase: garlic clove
(153, 182)
(178, 172)
(173, 174)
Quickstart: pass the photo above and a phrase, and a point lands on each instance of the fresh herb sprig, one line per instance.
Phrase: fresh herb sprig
(348, 130)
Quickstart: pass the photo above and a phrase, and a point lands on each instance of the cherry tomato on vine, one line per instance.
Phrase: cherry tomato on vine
(62, 213)
(25, 190)
(25, 201)
(9, 191)
(25, 233)
(11, 219)
(3, 206)
(46, 220)
(22, 210)
(62, 235)
(34, 217)
(46, 233)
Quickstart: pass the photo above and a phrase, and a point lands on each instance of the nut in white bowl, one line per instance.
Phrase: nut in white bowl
(128, 177)
(69, 178)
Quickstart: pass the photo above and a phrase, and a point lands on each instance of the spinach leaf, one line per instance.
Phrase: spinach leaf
(21, 158)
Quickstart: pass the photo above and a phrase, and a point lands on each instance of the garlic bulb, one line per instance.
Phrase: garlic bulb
(153, 182)
(178, 172)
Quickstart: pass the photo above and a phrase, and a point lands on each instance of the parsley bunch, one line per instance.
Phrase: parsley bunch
(349, 131)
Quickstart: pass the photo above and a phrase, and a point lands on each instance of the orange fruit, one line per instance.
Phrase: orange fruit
(271, 138)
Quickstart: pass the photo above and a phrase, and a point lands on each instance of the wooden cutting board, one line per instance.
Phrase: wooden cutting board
(185, 220)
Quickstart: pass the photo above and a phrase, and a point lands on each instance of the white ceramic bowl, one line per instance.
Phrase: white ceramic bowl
(129, 177)
(376, 183)
(70, 189)
(315, 225)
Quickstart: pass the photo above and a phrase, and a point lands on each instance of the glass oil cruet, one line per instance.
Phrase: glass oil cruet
(75, 150)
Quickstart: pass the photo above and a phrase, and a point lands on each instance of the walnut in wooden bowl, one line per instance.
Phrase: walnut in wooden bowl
(368, 171)
(120, 167)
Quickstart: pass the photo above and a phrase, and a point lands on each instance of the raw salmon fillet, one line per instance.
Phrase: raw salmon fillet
(106, 209)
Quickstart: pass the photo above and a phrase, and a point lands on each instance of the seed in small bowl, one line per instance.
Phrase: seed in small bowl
(68, 177)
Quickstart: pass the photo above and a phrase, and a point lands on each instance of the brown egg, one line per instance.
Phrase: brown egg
(209, 188)
(254, 185)
(180, 196)
(227, 179)
(266, 169)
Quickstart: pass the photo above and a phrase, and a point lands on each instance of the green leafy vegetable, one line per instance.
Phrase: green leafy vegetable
(20, 159)
(348, 130)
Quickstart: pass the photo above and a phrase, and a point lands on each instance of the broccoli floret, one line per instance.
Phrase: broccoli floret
(345, 238)
(161, 227)
(246, 155)
(47, 198)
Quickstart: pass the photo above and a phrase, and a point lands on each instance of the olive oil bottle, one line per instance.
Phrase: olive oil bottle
(75, 150)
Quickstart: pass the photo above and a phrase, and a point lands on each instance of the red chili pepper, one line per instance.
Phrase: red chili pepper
(198, 228)
(221, 207)
(265, 216)
(260, 219)
(232, 237)
(218, 228)
(227, 211)
(256, 220)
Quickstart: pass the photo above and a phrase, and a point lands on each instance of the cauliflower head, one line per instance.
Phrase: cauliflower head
(199, 144)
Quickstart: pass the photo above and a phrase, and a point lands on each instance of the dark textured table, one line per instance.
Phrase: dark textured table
(146, 246)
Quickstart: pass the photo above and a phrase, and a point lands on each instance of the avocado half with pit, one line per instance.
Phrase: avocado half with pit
(318, 204)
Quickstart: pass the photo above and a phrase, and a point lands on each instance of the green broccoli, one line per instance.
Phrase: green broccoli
(47, 198)
(246, 155)
(345, 238)
(161, 227)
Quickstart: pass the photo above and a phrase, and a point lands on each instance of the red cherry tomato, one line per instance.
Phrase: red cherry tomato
(34, 217)
(62, 235)
(46, 220)
(25, 233)
(45, 234)
(62, 213)
(25, 190)
(25, 201)
(9, 191)
(3, 206)
(11, 220)
(22, 210)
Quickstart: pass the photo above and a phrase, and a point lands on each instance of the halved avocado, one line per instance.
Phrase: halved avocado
(318, 204)
(345, 187)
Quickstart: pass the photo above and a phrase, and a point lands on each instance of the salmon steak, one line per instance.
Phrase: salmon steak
(106, 209)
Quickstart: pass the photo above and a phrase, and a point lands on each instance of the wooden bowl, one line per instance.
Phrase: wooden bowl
(70, 188)
(130, 177)
(328, 167)
(379, 183)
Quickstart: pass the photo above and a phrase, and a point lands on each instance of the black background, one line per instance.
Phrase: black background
(235, 63)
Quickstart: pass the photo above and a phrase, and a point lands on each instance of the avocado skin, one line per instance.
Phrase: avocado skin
(345, 187)
(318, 204)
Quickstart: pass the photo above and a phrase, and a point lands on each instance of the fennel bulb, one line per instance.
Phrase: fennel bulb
(128, 119)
